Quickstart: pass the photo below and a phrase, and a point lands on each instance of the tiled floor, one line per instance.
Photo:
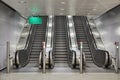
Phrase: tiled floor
(59, 76)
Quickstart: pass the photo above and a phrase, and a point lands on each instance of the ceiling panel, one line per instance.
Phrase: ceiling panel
(62, 7)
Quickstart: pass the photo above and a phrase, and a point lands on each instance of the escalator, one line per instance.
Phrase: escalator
(38, 38)
(28, 58)
(60, 42)
(82, 37)
(95, 58)
(61, 46)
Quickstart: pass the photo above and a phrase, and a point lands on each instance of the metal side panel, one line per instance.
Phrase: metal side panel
(109, 28)
(23, 38)
(96, 35)
(11, 25)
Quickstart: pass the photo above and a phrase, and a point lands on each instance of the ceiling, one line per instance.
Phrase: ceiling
(62, 7)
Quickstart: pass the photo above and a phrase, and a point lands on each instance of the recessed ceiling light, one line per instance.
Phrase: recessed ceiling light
(61, 13)
(94, 9)
(88, 13)
(62, 9)
(22, 2)
(69, 16)
(51, 16)
(62, 2)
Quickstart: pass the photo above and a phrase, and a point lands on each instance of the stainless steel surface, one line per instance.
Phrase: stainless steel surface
(11, 25)
(44, 57)
(73, 44)
(49, 39)
(8, 56)
(62, 7)
(23, 37)
(72, 34)
(81, 57)
(40, 59)
(96, 34)
(117, 56)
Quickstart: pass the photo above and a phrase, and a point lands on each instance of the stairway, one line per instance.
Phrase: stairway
(81, 36)
(60, 45)
(38, 38)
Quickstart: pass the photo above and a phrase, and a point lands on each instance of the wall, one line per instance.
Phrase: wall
(11, 25)
(109, 28)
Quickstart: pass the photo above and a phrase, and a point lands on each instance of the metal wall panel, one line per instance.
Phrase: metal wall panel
(109, 28)
(11, 25)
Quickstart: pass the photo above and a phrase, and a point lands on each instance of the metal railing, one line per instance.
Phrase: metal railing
(44, 58)
(81, 57)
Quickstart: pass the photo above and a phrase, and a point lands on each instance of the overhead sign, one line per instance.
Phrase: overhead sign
(35, 20)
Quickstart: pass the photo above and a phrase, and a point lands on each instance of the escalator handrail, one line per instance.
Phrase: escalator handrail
(28, 38)
(50, 57)
(74, 59)
(17, 58)
(94, 43)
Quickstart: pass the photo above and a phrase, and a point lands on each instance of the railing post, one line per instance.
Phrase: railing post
(117, 56)
(8, 56)
(81, 52)
(44, 61)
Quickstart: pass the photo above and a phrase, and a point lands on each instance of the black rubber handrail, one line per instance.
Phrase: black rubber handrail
(72, 52)
(28, 38)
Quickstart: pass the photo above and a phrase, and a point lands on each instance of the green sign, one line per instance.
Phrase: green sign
(34, 20)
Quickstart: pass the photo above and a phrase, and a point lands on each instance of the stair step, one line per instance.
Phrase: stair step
(88, 56)
(89, 61)
(59, 42)
(60, 55)
(60, 46)
(61, 50)
(61, 59)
